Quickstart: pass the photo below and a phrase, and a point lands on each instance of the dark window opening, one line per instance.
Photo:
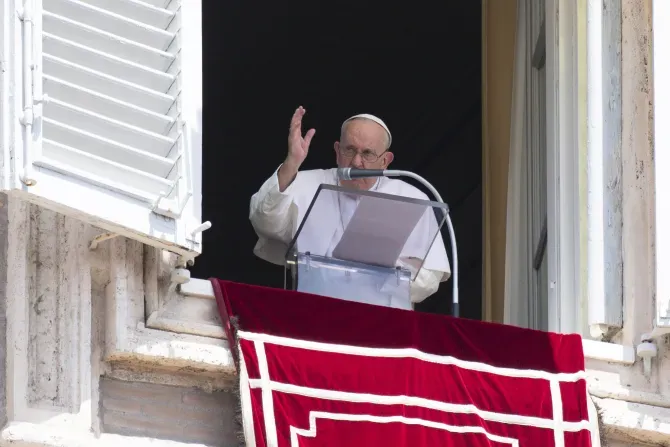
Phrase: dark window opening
(416, 65)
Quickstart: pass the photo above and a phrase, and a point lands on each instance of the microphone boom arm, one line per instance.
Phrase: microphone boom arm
(450, 228)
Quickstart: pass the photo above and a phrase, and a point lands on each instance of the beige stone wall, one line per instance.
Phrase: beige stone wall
(78, 318)
(171, 412)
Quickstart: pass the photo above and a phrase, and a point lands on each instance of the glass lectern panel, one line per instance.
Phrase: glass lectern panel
(350, 281)
(370, 228)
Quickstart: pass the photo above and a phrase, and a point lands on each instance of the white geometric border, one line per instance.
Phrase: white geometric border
(268, 387)
(410, 353)
(314, 415)
(245, 401)
(411, 401)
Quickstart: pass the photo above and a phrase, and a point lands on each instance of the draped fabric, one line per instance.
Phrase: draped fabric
(317, 371)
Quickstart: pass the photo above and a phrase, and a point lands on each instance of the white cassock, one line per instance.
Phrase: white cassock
(276, 216)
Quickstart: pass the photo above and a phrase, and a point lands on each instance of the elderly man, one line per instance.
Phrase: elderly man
(279, 206)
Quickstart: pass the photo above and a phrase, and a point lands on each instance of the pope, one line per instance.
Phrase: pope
(280, 204)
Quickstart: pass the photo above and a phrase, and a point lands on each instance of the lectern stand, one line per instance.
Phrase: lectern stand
(363, 246)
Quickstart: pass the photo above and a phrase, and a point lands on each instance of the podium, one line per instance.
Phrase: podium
(363, 246)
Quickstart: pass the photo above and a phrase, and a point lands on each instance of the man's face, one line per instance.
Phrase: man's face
(362, 145)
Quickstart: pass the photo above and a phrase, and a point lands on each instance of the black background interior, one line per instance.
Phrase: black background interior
(416, 65)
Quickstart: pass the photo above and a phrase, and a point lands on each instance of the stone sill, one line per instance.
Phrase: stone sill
(198, 288)
(633, 423)
(25, 434)
(608, 352)
(182, 351)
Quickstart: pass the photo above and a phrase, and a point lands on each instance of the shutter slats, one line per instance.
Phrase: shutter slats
(110, 43)
(113, 92)
(105, 148)
(101, 82)
(112, 23)
(108, 128)
(140, 11)
(110, 107)
(138, 183)
(107, 63)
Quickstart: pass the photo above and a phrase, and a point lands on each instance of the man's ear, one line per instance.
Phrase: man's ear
(388, 158)
(336, 146)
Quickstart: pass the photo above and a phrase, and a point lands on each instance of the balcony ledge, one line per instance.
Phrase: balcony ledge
(596, 350)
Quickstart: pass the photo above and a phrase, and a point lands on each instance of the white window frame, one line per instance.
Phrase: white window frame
(564, 304)
(661, 81)
(563, 253)
(562, 202)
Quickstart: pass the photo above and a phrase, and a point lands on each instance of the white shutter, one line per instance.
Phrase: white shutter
(661, 78)
(117, 104)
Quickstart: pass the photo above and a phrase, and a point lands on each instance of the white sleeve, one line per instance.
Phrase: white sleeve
(270, 210)
(425, 284)
(427, 281)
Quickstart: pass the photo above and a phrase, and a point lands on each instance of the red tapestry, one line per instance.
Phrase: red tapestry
(316, 371)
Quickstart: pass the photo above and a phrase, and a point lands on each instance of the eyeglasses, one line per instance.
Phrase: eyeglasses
(367, 155)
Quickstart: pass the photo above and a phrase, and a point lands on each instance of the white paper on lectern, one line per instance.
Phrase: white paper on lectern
(378, 231)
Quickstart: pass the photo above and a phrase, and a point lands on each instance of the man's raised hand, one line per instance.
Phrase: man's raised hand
(298, 146)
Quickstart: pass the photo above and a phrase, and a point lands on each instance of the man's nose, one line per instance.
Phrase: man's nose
(357, 161)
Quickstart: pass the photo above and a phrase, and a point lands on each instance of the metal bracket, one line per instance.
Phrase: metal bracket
(199, 229)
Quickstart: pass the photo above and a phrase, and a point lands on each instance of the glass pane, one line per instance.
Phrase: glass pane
(353, 282)
(372, 228)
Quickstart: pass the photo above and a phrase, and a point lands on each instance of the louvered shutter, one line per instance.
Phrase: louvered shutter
(117, 106)
(661, 79)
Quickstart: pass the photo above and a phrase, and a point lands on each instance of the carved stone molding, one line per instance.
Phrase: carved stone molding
(73, 311)
(129, 337)
(49, 316)
(169, 310)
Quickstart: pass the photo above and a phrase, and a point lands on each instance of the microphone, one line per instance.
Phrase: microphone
(354, 173)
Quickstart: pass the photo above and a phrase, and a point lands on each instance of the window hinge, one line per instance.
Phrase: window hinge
(646, 350)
